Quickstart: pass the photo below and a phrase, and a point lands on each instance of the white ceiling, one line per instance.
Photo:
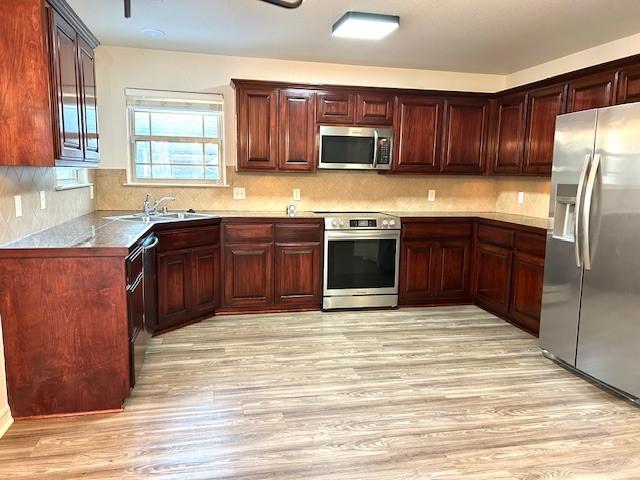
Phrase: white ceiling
(483, 36)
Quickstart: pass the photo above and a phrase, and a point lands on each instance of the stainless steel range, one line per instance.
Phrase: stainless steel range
(361, 260)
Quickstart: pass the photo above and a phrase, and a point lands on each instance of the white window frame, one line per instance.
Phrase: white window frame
(186, 97)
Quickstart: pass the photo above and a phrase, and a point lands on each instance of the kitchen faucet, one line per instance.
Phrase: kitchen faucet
(150, 209)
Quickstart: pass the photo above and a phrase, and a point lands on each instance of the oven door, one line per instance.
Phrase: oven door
(347, 148)
(361, 262)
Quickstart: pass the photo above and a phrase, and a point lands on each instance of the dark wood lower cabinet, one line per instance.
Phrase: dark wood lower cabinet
(188, 275)
(493, 277)
(417, 271)
(526, 291)
(272, 266)
(298, 273)
(453, 274)
(248, 274)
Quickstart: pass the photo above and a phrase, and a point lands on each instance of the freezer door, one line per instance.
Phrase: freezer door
(609, 340)
(572, 154)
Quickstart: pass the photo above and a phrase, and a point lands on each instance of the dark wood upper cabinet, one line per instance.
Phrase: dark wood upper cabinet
(66, 85)
(418, 135)
(509, 134)
(593, 91)
(543, 106)
(89, 102)
(257, 128)
(374, 109)
(629, 84)
(465, 131)
(335, 107)
(74, 101)
(296, 122)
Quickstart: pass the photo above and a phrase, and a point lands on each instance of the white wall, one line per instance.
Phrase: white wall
(606, 52)
(118, 68)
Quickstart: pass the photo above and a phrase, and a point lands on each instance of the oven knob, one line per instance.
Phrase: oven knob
(385, 223)
(341, 223)
(392, 222)
(334, 223)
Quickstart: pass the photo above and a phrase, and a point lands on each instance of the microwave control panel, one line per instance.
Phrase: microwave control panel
(384, 151)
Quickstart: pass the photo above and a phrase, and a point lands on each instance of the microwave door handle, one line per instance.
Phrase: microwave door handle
(375, 148)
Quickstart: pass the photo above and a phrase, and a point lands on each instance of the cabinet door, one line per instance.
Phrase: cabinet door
(453, 271)
(66, 86)
(296, 122)
(493, 277)
(418, 263)
(374, 109)
(174, 287)
(248, 275)
(257, 129)
(543, 106)
(335, 107)
(629, 85)
(594, 91)
(509, 134)
(465, 125)
(526, 291)
(90, 137)
(206, 274)
(418, 135)
(298, 274)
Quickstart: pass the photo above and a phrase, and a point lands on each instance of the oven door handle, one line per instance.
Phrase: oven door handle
(363, 234)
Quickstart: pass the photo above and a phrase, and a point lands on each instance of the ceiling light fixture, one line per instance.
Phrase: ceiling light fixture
(368, 26)
(152, 32)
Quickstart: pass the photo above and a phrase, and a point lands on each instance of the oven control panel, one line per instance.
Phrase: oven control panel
(378, 222)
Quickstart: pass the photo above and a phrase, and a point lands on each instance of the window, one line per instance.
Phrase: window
(175, 138)
(69, 177)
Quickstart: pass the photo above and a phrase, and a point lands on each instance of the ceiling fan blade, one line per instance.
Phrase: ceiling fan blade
(284, 3)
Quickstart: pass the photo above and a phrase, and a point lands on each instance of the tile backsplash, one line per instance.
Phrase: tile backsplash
(337, 190)
(28, 182)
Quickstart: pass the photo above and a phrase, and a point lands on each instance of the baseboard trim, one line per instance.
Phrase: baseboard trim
(6, 420)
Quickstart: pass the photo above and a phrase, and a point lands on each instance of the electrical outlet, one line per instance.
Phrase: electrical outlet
(43, 200)
(239, 193)
(521, 197)
(432, 196)
(18, 202)
(296, 194)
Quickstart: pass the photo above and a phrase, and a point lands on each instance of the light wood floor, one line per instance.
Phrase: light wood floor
(442, 393)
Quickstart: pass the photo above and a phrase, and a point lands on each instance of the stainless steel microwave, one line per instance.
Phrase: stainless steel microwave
(355, 148)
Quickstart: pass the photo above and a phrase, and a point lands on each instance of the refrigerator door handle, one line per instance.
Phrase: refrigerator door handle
(576, 232)
(586, 211)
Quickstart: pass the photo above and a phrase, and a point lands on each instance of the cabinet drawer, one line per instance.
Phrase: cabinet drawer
(178, 239)
(248, 233)
(495, 236)
(419, 230)
(530, 243)
(292, 233)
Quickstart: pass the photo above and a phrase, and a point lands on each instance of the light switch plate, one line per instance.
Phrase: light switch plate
(239, 193)
(92, 193)
(432, 196)
(18, 202)
(520, 197)
(43, 200)
(296, 194)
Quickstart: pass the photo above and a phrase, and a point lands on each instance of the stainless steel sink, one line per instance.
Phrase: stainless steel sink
(160, 217)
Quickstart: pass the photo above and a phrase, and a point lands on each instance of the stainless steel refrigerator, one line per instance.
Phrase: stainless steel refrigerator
(590, 319)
